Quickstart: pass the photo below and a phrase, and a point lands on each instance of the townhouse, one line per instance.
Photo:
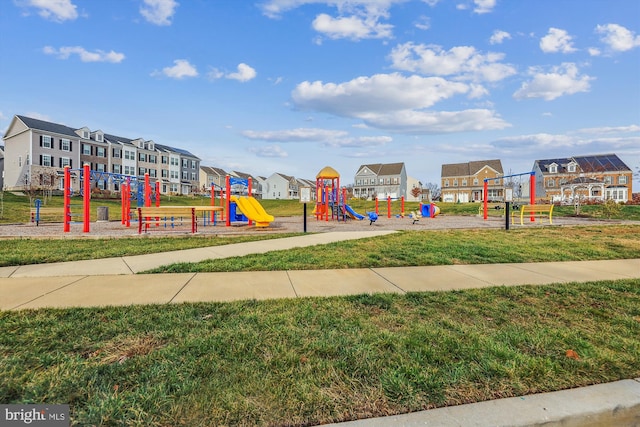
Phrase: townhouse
(37, 151)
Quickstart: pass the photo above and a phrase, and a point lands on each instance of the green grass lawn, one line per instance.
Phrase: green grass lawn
(411, 248)
(318, 360)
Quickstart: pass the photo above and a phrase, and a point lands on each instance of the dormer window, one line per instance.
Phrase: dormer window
(571, 167)
(85, 134)
(99, 137)
(553, 168)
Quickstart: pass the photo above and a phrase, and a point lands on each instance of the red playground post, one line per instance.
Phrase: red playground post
(67, 200)
(532, 193)
(86, 197)
(485, 197)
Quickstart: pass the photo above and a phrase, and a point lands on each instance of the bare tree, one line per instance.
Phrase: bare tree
(434, 190)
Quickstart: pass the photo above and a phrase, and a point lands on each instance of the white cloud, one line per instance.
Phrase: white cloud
(557, 40)
(484, 6)
(395, 102)
(244, 73)
(423, 23)
(356, 19)
(461, 61)
(180, 70)
(499, 36)
(593, 51)
(351, 27)
(85, 56)
(159, 12)
(562, 80)
(269, 151)
(378, 93)
(435, 122)
(617, 37)
(358, 142)
(54, 10)
(610, 130)
(327, 137)
(295, 135)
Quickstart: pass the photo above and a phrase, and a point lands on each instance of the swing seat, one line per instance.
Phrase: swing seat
(372, 217)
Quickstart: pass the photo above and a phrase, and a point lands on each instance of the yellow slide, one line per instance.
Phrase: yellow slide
(253, 210)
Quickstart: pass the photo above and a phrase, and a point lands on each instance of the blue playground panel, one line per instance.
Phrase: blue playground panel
(235, 214)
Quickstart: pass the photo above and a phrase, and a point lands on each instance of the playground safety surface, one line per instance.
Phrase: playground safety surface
(293, 224)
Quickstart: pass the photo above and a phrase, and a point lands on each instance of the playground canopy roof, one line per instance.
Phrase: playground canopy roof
(328, 172)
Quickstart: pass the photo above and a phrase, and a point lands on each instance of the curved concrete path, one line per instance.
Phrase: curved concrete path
(109, 282)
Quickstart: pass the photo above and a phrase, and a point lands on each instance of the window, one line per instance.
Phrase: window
(65, 144)
(153, 158)
(381, 181)
(193, 176)
(622, 179)
(153, 173)
(129, 155)
(46, 160)
(28, 162)
(446, 182)
(551, 183)
(65, 161)
(395, 180)
(164, 160)
(571, 167)
(142, 171)
(100, 167)
(85, 134)
(175, 161)
(129, 170)
(185, 163)
(116, 153)
(608, 180)
(101, 152)
(165, 173)
(117, 168)
(19, 161)
(142, 157)
(46, 141)
(86, 149)
(475, 181)
(455, 182)
(193, 164)
(99, 138)
(174, 175)
(553, 169)
(464, 182)
(185, 175)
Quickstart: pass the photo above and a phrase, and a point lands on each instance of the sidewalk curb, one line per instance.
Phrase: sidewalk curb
(612, 404)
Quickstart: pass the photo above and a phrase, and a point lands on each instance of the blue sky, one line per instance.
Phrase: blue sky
(291, 86)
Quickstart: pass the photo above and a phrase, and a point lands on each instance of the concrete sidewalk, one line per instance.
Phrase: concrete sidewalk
(111, 282)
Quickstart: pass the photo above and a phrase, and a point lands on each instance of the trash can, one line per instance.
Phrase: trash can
(103, 213)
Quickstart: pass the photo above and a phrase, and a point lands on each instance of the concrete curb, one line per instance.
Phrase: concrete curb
(612, 404)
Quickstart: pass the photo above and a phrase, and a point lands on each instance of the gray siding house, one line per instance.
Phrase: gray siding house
(36, 152)
(380, 180)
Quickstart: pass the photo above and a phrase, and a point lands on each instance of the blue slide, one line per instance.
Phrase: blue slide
(353, 214)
